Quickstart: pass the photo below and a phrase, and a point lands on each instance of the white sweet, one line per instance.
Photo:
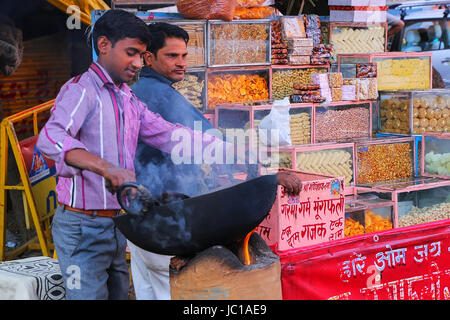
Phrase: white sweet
(437, 163)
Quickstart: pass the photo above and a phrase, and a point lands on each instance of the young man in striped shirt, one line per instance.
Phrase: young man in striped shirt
(92, 135)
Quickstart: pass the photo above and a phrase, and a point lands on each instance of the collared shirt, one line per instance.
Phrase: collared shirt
(92, 113)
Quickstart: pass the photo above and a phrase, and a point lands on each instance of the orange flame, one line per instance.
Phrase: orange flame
(247, 260)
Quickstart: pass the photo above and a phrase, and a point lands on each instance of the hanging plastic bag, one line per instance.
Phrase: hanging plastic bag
(254, 3)
(255, 13)
(204, 9)
(277, 119)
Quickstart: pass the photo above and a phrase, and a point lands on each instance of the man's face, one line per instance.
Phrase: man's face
(170, 60)
(123, 60)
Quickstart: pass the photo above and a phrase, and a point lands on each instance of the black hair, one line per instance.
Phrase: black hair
(117, 25)
(159, 31)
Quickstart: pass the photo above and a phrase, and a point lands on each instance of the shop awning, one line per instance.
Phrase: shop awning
(86, 6)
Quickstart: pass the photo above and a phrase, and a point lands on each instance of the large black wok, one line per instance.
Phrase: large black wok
(184, 226)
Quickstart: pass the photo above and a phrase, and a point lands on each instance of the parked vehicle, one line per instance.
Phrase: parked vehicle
(426, 29)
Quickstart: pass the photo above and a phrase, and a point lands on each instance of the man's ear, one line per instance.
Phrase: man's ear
(103, 45)
(148, 57)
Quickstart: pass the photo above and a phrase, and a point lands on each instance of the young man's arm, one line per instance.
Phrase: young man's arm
(84, 160)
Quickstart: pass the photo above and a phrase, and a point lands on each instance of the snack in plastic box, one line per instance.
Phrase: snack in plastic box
(313, 28)
(315, 93)
(336, 94)
(364, 86)
(279, 51)
(300, 42)
(301, 98)
(298, 60)
(302, 86)
(366, 70)
(335, 79)
(279, 61)
(292, 28)
(300, 51)
(349, 92)
(321, 79)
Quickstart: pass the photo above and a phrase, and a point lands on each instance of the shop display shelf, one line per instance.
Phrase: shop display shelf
(239, 43)
(239, 116)
(417, 200)
(396, 70)
(335, 159)
(435, 160)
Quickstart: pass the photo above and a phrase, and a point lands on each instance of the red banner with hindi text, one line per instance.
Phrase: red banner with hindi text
(410, 263)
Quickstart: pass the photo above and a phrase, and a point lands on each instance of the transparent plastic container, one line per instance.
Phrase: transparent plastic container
(384, 159)
(367, 216)
(193, 87)
(414, 112)
(323, 158)
(246, 117)
(395, 70)
(239, 43)
(436, 155)
(417, 200)
(347, 37)
(284, 77)
(196, 46)
(238, 85)
(343, 121)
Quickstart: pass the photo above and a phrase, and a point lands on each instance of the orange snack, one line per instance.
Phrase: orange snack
(384, 162)
(353, 228)
(254, 13)
(250, 3)
(229, 88)
(375, 222)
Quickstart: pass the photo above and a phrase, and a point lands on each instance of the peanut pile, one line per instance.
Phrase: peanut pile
(343, 124)
(423, 215)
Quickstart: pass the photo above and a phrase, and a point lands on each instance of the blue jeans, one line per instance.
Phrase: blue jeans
(91, 254)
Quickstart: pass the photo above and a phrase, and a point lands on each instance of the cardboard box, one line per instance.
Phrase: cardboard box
(374, 14)
(353, 3)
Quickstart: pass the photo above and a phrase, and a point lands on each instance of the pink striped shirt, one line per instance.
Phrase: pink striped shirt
(92, 113)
